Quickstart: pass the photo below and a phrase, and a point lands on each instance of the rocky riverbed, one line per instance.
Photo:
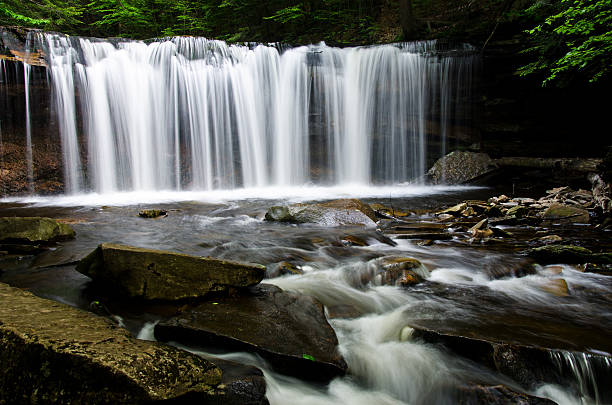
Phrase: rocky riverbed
(468, 296)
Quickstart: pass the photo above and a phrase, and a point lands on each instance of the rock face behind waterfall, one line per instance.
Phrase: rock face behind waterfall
(53, 353)
(156, 274)
(288, 329)
(332, 213)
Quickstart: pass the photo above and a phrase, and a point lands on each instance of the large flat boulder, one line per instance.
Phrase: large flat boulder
(528, 364)
(31, 230)
(157, 274)
(287, 329)
(53, 353)
(331, 213)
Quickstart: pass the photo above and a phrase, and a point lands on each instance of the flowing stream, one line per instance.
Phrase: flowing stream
(466, 287)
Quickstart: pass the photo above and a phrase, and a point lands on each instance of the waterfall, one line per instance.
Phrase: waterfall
(585, 370)
(199, 114)
(28, 121)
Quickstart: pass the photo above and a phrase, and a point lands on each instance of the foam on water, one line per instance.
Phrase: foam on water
(290, 194)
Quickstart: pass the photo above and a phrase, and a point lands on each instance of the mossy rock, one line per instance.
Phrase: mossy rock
(157, 274)
(552, 254)
(53, 353)
(150, 213)
(566, 214)
(33, 230)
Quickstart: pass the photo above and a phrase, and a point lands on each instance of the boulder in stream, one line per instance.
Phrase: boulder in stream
(53, 353)
(331, 213)
(33, 230)
(530, 365)
(561, 213)
(460, 167)
(157, 274)
(552, 254)
(287, 329)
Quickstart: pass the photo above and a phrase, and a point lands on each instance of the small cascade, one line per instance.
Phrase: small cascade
(28, 121)
(589, 372)
(196, 114)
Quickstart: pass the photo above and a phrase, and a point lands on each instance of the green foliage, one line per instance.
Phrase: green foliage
(335, 21)
(287, 14)
(22, 19)
(575, 40)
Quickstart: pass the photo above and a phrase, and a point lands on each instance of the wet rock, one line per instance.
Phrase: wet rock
(240, 384)
(332, 213)
(400, 271)
(605, 269)
(157, 274)
(552, 254)
(288, 329)
(500, 233)
(21, 249)
(480, 234)
(279, 214)
(282, 269)
(151, 213)
(517, 211)
(460, 167)
(561, 213)
(496, 395)
(26, 230)
(602, 193)
(352, 240)
(549, 239)
(484, 224)
(557, 287)
(468, 212)
(529, 366)
(455, 210)
(53, 353)
(386, 212)
(493, 211)
(426, 236)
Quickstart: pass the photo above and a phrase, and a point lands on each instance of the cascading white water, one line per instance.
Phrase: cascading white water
(192, 113)
(28, 121)
(582, 368)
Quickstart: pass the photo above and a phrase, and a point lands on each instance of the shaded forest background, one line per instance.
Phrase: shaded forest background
(338, 22)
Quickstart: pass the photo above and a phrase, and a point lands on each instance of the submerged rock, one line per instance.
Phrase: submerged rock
(287, 329)
(460, 167)
(331, 213)
(53, 353)
(27, 230)
(157, 274)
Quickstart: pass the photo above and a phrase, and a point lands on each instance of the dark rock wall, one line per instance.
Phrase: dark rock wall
(522, 118)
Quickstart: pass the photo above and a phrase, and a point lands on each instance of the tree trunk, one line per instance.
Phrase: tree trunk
(407, 19)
